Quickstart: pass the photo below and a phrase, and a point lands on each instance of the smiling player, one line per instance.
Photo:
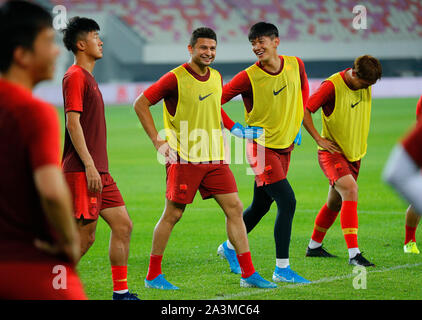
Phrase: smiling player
(274, 91)
(192, 97)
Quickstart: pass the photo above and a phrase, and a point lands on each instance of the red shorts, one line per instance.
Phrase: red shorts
(87, 204)
(268, 165)
(336, 166)
(40, 281)
(184, 179)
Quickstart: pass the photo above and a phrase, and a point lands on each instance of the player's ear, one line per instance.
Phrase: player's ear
(22, 56)
(277, 41)
(190, 49)
(81, 45)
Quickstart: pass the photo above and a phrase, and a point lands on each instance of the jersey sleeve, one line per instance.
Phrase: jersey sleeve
(304, 82)
(43, 136)
(73, 91)
(324, 95)
(419, 109)
(240, 84)
(412, 144)
(163, 88)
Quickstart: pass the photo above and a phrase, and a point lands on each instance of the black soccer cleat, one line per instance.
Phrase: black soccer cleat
(359, 260)
(319, 252)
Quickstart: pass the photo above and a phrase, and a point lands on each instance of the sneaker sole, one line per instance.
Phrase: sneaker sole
(245, 284)
(148, 286)
(220, 252)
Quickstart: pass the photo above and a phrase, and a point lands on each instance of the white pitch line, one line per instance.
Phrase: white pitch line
(298, 210)
(323, 280)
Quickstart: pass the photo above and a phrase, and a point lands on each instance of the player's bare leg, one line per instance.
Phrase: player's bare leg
(86, 229)
(334, 199)
(236, 230)
(172, 213)
(121, 228)
(411, 224)
(348, 189)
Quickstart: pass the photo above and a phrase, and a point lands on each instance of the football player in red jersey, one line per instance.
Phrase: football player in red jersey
(38, 236)
(412, 217)
(85, 161)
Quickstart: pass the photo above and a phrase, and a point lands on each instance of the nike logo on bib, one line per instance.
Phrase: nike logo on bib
(355, 104)
(277, 92)
(204, 97)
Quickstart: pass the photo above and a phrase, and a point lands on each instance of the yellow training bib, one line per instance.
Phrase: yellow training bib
(348, 125)
(277, 104)
(195, 130)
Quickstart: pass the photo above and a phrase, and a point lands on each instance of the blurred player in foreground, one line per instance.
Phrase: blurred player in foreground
(403, 168)
(192, 111)
(412, 217)
(38, 236)
(274, 91)
(345, 99)
(85, 161)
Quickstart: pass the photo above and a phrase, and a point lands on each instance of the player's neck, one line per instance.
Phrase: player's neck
(348, 79)
(85, 62)
(20, 77)
(200, 70)
(272, 65)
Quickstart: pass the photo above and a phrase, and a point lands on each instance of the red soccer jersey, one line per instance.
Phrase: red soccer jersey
(241, 84)
(324, 97)
(412, 144)
(81, 94)
(29, 139)
(166, 88)
(419, 109)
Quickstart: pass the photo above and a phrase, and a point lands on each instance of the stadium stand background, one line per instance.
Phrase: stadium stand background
(143, 39)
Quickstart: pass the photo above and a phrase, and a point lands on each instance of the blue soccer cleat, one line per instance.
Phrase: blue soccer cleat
(287, 275)
(230, 255)
(125, 296)
(160, 282)
(256, 281)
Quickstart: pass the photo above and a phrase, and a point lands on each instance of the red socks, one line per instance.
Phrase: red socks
(323, 222)
(349, 223)
(245, 262)
(154, 269)
(119, 276)
(410, 234)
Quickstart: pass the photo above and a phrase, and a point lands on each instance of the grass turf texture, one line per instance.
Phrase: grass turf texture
(190, 260)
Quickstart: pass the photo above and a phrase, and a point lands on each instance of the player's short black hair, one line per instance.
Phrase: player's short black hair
(202, 32)
(20, 23)
(76, 28)
(262, 29)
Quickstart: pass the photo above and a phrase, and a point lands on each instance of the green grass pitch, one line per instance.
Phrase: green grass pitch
(190, 260)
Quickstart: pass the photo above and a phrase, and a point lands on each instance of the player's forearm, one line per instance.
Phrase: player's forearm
(78, 140)
(141, 107)
(56, 202)
(308, 123)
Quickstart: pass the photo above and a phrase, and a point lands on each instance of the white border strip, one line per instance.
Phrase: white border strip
(323, 280)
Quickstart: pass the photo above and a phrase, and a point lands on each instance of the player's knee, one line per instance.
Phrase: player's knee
(172, 217)
(87, 242)
(351, 193)
(235, 209)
